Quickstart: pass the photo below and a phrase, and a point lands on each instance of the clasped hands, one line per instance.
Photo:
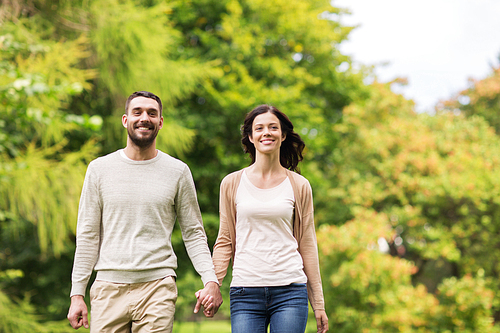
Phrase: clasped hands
(210, 298)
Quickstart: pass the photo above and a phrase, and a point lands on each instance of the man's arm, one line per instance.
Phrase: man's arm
(88, 234)
(191, 225)
(87, 247)
(195, 240)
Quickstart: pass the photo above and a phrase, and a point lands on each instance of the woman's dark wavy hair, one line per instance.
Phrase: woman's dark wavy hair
(291, 149)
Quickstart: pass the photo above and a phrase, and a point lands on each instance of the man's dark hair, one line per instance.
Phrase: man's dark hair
(146, 94)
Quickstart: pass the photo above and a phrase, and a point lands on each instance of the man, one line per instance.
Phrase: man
(130, 200)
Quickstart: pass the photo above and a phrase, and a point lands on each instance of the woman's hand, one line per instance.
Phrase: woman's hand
(321, 321)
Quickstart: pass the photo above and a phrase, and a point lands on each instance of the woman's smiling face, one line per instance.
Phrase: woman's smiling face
(266, 133)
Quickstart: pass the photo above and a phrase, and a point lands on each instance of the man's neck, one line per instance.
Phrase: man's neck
(140, 154)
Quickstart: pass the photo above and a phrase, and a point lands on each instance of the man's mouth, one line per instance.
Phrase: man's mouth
(143, 128)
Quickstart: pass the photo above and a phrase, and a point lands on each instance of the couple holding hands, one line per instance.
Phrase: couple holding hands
(128, 206)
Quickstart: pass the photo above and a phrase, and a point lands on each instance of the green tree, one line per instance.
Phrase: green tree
(482, 98)
(371, 291)
(433, 180)
(40, 173)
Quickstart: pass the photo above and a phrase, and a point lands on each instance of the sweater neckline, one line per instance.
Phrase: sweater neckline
(124, 158)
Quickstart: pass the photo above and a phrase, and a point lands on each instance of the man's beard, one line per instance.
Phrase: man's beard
(142, 142)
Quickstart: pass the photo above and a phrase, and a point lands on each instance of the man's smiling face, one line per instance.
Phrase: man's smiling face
(143, 121)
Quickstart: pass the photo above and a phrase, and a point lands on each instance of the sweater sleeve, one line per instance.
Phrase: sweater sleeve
(191, 225)
(223, 248)
(308, 248)
(88, 234)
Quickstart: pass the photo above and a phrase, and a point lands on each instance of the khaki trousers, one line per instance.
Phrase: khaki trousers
(133, 307)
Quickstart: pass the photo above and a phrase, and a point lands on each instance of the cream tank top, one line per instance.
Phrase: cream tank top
(266, 252)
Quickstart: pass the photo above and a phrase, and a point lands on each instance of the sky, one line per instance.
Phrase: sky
(436, 44)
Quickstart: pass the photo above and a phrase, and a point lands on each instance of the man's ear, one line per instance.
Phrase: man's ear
(124, 120)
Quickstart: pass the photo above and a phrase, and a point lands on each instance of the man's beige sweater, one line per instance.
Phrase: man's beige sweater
(125, 220)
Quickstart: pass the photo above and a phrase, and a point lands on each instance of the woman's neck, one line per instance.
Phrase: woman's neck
(267, 164)
(266, 172)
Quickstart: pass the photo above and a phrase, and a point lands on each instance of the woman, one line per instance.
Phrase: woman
(267, 229)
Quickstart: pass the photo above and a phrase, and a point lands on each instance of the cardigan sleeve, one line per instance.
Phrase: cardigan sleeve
(308, 249)
(223, 251)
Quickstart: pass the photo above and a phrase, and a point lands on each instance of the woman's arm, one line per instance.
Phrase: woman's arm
(223, 252)
(308, 248)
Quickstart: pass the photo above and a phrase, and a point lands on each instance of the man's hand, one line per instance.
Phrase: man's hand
(210, 298)
(321, 321)
(77, 314)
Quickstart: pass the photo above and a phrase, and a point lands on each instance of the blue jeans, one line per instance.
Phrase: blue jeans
(253, 309)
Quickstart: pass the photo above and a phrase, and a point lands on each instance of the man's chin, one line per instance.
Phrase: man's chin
(143, 142)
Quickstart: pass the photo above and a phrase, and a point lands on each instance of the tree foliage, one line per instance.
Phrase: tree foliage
(21, 317)
(480, 99)
(427, 185)
(40, 172)
(368, 290)
(38, 78)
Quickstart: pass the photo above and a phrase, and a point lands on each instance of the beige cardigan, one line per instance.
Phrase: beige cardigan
(303, 231)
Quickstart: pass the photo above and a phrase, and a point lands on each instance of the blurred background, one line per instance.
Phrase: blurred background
(406, 192)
